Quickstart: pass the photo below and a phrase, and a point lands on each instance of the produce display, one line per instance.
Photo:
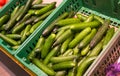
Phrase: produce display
(69, 45)
(22, 22)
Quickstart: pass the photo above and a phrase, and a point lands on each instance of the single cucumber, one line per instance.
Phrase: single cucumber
(48, 44)
(97, 49)
(48, 30)
(108, 36)
(40, 42)
(18, 28)
(79, 37)
(87, 39)
(62, 58)
(32, 11)
(13, 36)
(72, 72)
(83, 25)
(64, 65)
(67, 21)
(12, 21)
(52, 53)
(84, 65)
(14, 11)
(43, 16)
(35, 26)
(68, 52)
(25, 9)
(24, 34)
(85, 50)
(81, 17)
(59, 33)
(99, 19)
(99, 35)
(4, 19)
(90, 18)
(65, 44)
(39, 6)
(43, 67)
(8, 40)
(45, 9)
(63, 37)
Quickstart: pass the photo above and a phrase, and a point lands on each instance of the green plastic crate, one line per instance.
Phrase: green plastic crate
(97, 7)
(7, 9)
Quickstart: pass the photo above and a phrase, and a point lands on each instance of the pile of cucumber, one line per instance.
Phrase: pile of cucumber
(69, 45)
(18, 25)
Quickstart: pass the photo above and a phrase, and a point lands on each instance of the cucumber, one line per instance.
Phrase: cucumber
(67, 21)
(45, 9)
(87, 39)
(47, 46)
(52, 53)
(65, 44)
(79, 37)
(108, 36)
(81, 17)
(83, 25)
(63, 37)
(90, 18)
(85, 50)
(97, 49)
(72, 72)
(8, 40)
(99, 35)
(99, 19)
(35, 26)
(24, 36)
(39, 6)
(18, 28)
(4, 19)
(68, 52)
(43, 67)
(62, 58)
(43, 16)
(14, 11)
(64, 65)
(14, 36)
(84, 65)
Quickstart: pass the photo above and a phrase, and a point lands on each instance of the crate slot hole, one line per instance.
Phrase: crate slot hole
(33, 44)
(30, 48)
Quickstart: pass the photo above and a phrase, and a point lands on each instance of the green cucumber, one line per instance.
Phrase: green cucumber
(87, 39)
(79, 37)
(48, 44)
(84, 65)
(99, 35)
(43, 67)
